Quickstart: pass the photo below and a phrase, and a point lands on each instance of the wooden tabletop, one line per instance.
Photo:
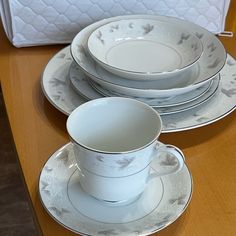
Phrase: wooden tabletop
(39, 129)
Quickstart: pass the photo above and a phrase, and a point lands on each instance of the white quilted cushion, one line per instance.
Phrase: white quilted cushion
(38, 22)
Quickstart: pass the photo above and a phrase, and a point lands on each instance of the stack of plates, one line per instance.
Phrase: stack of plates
(162, 61)
(173, 65)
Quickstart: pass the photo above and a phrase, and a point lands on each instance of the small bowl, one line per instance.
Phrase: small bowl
(141, 49)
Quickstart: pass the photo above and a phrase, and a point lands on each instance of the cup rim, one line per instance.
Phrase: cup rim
(114, 152)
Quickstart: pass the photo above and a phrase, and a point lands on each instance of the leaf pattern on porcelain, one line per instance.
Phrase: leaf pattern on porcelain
(212, 47)
(99, 36)
(163, 220)
(131, 25)
(179, 200)
(108, 232)
(230, 62)
(113, 28)
(45, 186)
(194, 46)
(214, 64)
(183, 38)
(229, 92)
(57, 82)
(63, 156)
(48, 168)
(199, 35)
(61, 55)
(125, 162)
(147, 28)
(59, 212)
(100, 158)
(169, 160)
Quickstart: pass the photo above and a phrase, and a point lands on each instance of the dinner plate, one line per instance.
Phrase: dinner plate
(90, 90)
(79, 81)
(57, 89)
(163, 201)
(142, 49)
(209, 64)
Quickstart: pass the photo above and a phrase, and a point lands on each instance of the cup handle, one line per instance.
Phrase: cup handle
(168, 158)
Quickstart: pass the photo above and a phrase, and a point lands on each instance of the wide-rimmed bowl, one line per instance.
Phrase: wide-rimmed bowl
(143, 49)
(209, 64)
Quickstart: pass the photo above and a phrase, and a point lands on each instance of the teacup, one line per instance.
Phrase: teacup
(115, 140)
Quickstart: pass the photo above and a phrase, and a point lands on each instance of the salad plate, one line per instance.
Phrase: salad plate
(79, 79)
(59, 92)
(166, 49)
(163, 201)
(171, 109)
(90, 90)
(208, 65)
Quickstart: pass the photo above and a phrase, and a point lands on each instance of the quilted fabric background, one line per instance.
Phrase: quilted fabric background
(35, 22)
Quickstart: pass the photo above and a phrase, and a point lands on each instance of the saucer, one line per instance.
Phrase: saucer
(82, 84)
(57, 89)
(162, 202)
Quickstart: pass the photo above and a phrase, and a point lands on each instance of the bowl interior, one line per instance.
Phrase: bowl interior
(143, 46)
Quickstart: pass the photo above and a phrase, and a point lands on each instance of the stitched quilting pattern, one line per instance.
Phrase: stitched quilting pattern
(36, 22)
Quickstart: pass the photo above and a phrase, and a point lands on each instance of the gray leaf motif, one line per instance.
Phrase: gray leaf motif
(113, 28)
(56, 97)
(199, 35)
(169, 161)
(100, 158)
(63, 156)
(124, 162)
(171, 125)
(131, 25)
(61, 55)
(183, 37)
(179, 200)
(230, 63)
(214, 64)
(202, 119)
(48, 168)
(212, 47)
(147, 28)
(229, 92)
(194, 46)
(56, 82)
(99, 36)
(44, 187)
(81, 49)
(58, 212)
(108, 232)
(164, 220)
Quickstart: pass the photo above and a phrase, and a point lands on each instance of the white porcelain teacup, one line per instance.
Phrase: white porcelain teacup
(115, 140)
